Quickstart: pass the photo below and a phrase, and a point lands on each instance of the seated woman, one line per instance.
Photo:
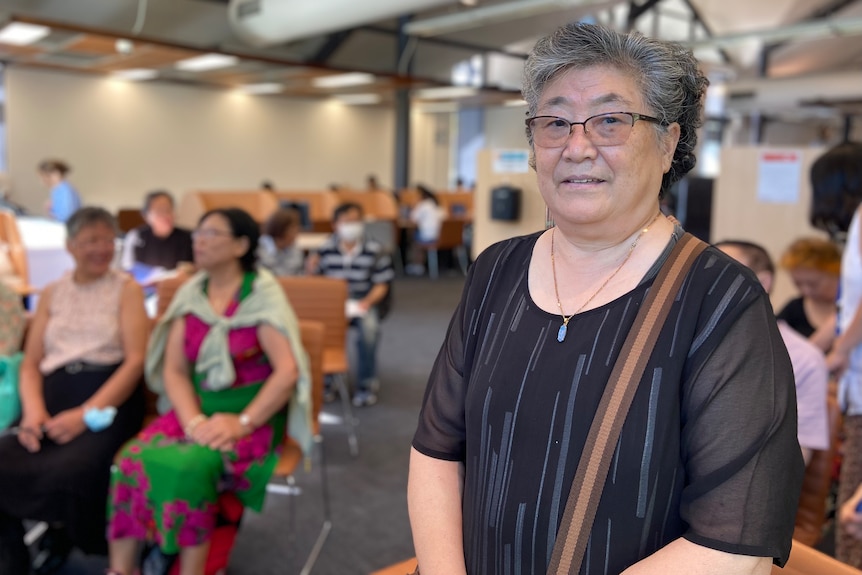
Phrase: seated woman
(12, 321)
(278, 251)
(227, 353)
(80, 401)
(815, 266)
(428, 217)
(158, 243)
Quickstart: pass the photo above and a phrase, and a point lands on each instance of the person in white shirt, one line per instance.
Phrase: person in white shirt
(428, 217)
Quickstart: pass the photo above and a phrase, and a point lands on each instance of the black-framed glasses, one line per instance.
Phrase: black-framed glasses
(609, 129)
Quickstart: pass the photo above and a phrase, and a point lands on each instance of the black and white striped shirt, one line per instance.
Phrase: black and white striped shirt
(363, 267)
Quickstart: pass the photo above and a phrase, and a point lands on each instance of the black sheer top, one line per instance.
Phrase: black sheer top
(708, 451)
(794, 314)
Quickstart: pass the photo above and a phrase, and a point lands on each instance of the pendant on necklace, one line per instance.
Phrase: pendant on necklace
(561, 333)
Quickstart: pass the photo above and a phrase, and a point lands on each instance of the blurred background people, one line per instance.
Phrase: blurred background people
(64, 199)
(836, 183)
(158, 243)
(80, 399)
(278, 251)
(815, 266)
(227, 353)
(349, 255)
(809, 364)
(428, 217)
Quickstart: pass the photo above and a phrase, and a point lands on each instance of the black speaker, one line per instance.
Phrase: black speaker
(505, 203)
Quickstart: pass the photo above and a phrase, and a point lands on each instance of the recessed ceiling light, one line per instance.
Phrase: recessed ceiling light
(343, 80)
(206, 62)
(518, 102)
(445, 92)
(262, 88)
(21, 34)
(134, 74)
(358, 99)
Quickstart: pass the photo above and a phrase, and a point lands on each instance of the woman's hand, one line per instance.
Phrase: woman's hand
(66, 425)
(837, 361)
(851, 519)
(30, 434)
(220, 431)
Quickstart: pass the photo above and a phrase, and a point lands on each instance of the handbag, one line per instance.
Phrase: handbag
(607, 424)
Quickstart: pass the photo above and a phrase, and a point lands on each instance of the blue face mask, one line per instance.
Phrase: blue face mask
(99, 419)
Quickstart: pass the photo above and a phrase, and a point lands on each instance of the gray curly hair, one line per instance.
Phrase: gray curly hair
(668, 75)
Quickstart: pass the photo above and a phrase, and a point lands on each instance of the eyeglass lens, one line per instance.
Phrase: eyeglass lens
(602, 130)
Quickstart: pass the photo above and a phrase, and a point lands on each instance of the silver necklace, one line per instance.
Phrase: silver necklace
(561, 333)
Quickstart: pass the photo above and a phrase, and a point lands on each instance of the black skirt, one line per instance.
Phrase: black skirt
(68, 484)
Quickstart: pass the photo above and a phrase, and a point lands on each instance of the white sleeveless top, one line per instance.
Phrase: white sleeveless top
(849, 300)
(84, 322)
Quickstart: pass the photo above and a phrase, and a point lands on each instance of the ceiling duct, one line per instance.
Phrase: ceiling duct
(268, 22)
(777, 94)
(495, 14)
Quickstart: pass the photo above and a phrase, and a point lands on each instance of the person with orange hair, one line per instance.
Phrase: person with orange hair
(815, 266)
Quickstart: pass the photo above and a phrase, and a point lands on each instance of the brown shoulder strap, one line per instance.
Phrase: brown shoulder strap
(592, 471)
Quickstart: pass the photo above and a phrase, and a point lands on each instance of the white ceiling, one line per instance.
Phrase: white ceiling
(371, 46)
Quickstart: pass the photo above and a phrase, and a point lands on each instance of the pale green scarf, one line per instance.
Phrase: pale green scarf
(265, 304)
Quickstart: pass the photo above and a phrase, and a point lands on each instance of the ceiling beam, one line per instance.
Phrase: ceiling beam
(467, 46)
(638, 10)
(333, 42)
(695, 13)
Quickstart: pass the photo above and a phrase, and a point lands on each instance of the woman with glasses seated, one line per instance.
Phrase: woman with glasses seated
(80, 399)
(228, 356)
(706, 473)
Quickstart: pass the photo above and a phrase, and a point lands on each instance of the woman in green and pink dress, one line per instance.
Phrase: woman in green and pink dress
(228, 355)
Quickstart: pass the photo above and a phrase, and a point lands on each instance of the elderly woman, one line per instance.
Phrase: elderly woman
(706, 473)
(228, 354)
(815, 266)
(80, 398)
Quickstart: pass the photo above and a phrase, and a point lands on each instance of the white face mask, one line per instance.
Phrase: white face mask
(350, 231)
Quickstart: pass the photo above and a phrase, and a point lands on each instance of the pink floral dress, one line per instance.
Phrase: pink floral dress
(165, 487)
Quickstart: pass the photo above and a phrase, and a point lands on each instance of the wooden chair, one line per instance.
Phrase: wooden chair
(321, 204)
(805, 560)
(452, 239)
(129, 218)
(811, 516)
(323, 299)
(313, 334)
(165, 291)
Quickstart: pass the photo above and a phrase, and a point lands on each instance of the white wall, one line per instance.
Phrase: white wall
(123, 139)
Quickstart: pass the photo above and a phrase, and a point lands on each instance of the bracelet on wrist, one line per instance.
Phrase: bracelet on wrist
(193, 424)
(245, 422)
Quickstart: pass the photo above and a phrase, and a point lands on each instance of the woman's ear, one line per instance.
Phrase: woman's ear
(669, 140)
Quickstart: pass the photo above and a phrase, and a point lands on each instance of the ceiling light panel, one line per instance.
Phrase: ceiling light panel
(262, 88)
(343, 80)
(22, 34)
(359, 99)
(135, 74)
(445, 93)
(205, 62)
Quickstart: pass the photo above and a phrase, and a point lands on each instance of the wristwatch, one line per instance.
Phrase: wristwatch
(245, 421)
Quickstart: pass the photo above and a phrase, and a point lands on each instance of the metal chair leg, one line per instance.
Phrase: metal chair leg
(352, 439)
(327, 520)
(433, 269)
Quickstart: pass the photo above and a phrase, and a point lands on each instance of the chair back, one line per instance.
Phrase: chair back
(322, 299)
(165, 291)
(451, 234)
(817, 482)
(313, 335)
(129, 219)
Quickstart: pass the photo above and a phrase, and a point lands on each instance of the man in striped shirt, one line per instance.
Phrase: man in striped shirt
(368, 270)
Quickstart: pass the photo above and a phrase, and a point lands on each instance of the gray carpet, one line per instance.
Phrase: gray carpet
(368, 493)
